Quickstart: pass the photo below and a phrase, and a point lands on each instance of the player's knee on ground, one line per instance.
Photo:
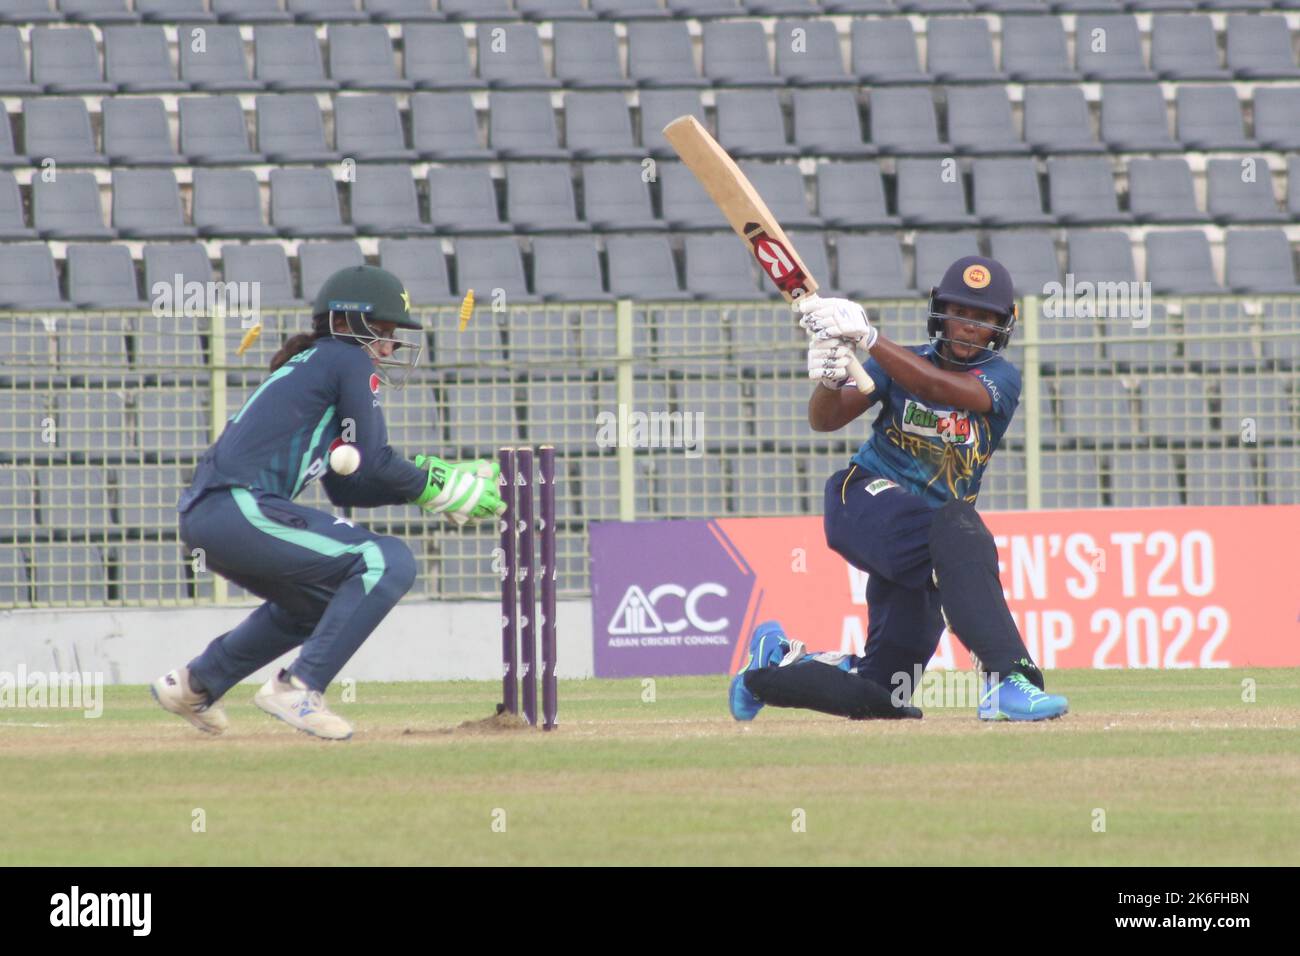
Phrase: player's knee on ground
(826, 689)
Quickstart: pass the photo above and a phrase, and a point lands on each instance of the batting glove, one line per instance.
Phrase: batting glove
(828, 362)
(836, 319)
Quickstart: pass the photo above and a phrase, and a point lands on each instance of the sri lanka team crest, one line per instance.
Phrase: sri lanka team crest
(976, 276)
(952, 426)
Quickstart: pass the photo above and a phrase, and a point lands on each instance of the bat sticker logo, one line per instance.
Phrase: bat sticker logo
(776, 261)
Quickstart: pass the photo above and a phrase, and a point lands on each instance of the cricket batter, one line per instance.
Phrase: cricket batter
(326, 583)
(904, 509)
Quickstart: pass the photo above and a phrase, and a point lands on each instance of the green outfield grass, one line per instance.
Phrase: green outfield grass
(1184, 770)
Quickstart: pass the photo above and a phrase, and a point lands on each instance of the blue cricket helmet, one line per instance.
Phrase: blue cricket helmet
(979, 283)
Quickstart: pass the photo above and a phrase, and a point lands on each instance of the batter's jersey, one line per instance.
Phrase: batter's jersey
(934, 451)
(280, 440)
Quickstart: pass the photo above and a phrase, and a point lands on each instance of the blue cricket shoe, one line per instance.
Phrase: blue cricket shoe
(767, 646)
(1017, 698)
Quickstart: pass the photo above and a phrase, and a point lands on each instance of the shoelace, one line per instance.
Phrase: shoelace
(1027, 687)
(315, 702)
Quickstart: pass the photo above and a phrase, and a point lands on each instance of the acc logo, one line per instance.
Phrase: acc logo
(637, 612)
(977, 277)
(374, 384)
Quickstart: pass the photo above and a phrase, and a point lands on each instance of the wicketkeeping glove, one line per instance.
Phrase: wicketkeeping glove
(462, 490)
(836, 319)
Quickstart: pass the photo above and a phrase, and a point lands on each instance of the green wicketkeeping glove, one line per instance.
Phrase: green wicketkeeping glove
(461, 490)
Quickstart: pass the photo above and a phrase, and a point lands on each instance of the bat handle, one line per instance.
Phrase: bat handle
(860, 377)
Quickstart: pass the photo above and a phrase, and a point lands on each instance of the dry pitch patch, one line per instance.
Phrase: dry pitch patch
(1180, 768)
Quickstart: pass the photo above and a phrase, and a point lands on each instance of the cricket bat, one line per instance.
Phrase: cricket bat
(744, 208)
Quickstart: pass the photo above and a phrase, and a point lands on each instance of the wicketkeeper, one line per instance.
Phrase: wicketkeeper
(326, 583)
(904, 509)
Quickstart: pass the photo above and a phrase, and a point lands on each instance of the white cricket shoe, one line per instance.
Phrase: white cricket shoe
(301, 707)
(172, 691)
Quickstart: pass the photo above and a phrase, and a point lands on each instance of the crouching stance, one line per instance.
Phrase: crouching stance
(903, 510)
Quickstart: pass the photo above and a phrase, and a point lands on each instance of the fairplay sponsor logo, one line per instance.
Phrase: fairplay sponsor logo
(951, 426)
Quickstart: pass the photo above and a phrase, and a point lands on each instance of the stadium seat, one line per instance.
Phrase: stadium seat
(628, 10)
(59, 128)
(1030, 256)
(750, 124)
(510, 57)
(557, 10)
(1222, 476)
(171, 349)
(641, 267)
(1237, 197)
(1184, 48)
(1142, 479)
(482, 415)
(827, 123)
(305, 204)
(1210, 118)
(1006, 193)
(724, 408)
(560, 414)
(421, 266)
(782, 188)
(183, 12)
(435, 56)
(704, 8)
(719, 268)
(1134, 119)
(136, 60)
(811, 245)
(1108, 49)
(1260, 261)
(70, 507)
(101, 276)
(15, 77)
(1281, 468)
(384, 202)
(1057, 122)
(477, 9)
(735, 55)
(1236, 348)
(369, 129)
(403, 11)
(17, 504)
(598, 126)
(66, 61)
(927, 196)
(27, 278)
(1260, 398)
(8, 157)
(288, 59)
(491, 264)
(250, 11)
(136, 133)
(1293, 185)
(616, 198)
(808, 53)
(151, 571)
(980, 122)
(444, 128)
(91, 424)
(1173, 409)
(25, 410)
(29, 11)
(935, 252)
(13, 225)
(522, 126)
(871, 267)
(884, 53)
(463, 201)
(960, 50)
(1034, 51)
(147, 205)
(1082, 191)
(174, 424)
(1097, 256)
(903, 123)
(1179, 263)
(213, 132)
(228, 203)
(1259, 48)
(540, 198)
(67, 573)
(290, 129)
(1277, 118)
(218, 65)
(686, 206)
(658, 109)
(361, 58)
(265, 264)
(163, 262)
(568, 270)
(1161, 191)
(1097, 410)
(660, 55)
(317, 261)
(68, 208)
(852, 196)
(586, 56)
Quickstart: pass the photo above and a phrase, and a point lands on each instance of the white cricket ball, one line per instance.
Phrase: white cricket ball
(345, 459)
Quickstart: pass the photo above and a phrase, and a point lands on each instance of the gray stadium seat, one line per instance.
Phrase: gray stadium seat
(66, 61)
(858, 6)
(1004, 486)
(782, 188)
(477, 9)
(1184, 48)
(361, 58)
(1209, 118)
(25, 412)
(765, 340)
(69, 208)
(522, 126)
(228, 203)
(1134, 119)
(1161, 191)
(557, 10)
(147, 205)
(369, 129)
(928, 197)
(402, 11)
(1277, 118)
(1097, 256)
(219, 66)
(1034, 50)
(616, 198)
(136, 60)
(658, 108)
(732, 425)
(444, 128)
(15, 77)
(932, 7)
(482, 415)
(935, 252)
(68, 574)
(586, 56)
(101, 276)
(1142, 479)
(171, 348)
(8, 157)
(436, 57)
(779, 410)
(1057, 122)
(704, 8)
(325, 11)
(250, 11)
(421, 266)
(91, 423)
(29, 11)
(884, 52)
(317, 261)
(59, 129)
(852, 196)
(1030, 256)
(1281, 471)
(641, 267)
(1234, 197)
(560, 413)
(750, 124)
(661, 55)
(718, 268)
(568, 270)
(492, 263)
(13, 225)
(1108, 48)
(1082, 191)
(735, 54)
(980, 122)
(1098, 410)
(17, 503)
(70, 506)
(28, 279)
(151, 571)
(163, 262)
(462, 200)
(903, 123)
(808, 53)
(264, 263)
(827, 123)
(1293, 185)
(136, 133)
(1179, 263)
(597, 126)
(96, 354)
(305, 204)
(1006, 193)
(872, 267)
(960, 50)
(1260, 261)
(1259, 48)
(174, 424)
(1260, 398)
(1221, 476)
(290, 129)
(1174, 408)
(540, 199)
(288, 59)
(510, 57)
(811, 245)
(1227, 319)
(384, 202)
(174, 11)
(213, 132)
(686, 205)
(629, 10)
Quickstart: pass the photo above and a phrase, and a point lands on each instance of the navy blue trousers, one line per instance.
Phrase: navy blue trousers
(887, 534)
(326, 584)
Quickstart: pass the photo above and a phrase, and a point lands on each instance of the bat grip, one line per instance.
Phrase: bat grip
(860, 377)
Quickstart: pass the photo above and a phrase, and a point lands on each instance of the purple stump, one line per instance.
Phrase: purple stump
(509, 688)
(550, 690)
(527, 588)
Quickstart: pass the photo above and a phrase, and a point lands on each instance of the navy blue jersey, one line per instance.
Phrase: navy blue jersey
(280, 440)
(934, 451)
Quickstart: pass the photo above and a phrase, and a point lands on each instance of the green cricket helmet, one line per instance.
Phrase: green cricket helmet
(362, 295)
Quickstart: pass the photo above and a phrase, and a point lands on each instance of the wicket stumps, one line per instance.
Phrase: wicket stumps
(519, 613)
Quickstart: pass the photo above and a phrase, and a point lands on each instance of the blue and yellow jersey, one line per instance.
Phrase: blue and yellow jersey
(280, 440)
(937, 452)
